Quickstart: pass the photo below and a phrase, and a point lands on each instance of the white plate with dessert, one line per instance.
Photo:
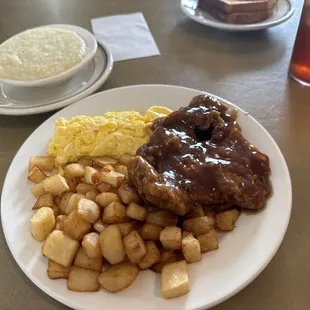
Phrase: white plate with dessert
(221, 273)
(236, 15)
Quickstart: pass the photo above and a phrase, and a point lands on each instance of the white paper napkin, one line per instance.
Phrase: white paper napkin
(127, 36)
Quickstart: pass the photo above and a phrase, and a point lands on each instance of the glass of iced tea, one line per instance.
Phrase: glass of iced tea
(300, 61)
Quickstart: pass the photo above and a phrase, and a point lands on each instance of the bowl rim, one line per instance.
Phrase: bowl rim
(91, 48)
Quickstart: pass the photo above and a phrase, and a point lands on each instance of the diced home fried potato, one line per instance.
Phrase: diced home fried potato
(125, 159)
(45, 200)
(112, 245)
(111, 177)
(225, 220)
(83, 261)
(114, 213)
(64, 201)
(83, 280)
(71, 184)
(103, 161)
(55, 210)
(38, 190)
(36, 175)
(121, 169)
(162, 217)
(152, 255)
(211, 217)
(108, 168)
(91, 175)
(45, 163)
(60, 248)
(84, 161)
(136, 212)
(91, 245)
(99, 226)
(73, 202)
(171, 238)
(126, 228)
(75, 226)
(150, 231)
(73, 171)
(92, 195)
(134, 246)
(57, 271)
(42, 223)
(88, 210)
(104, 187)
(208, 241)
(166, 257)
(128, 194)
(60, 222)
(191, 249)
(83, 188)
(195, 211)
(118, 277)
(197, 226)
(105, 199)
(174, 280)
(55, 184)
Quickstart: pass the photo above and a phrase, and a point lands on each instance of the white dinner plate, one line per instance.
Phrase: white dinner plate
(283, 11)
(242, 254)
(16, 100)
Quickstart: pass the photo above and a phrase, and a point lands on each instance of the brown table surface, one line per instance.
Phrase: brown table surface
(249, 69)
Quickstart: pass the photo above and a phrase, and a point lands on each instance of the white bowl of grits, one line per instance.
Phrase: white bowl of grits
(45, 55)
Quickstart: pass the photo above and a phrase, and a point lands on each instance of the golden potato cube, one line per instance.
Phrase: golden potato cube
(162, 218)
(45, 163)
(36, 175)
(134, 246)
(104, 187)
(75, 226)
(125, 159)
(83, 188)
(92, 195)
(64, 201)
(99, 226)
(150, 231)
(118, 277)
(195, 211)
(91, 245)
(197, 226)
(191, 249)
(88, 210)
(57, 271)
(111, 244)
(83, 280)
(166, 257)
(91, 175)
(73, 171)
(108, 168)
(126, 228)
(60, 248)
(83, 261)
(60, 222)
(45, 200)
(128, 194)
(121, 169)
(136, 212)
(111, 177)
(104, 199)
(174, 280)
(171, 238)
(225, 220)
(71, 184)
(114, 213)
(152, 255)
(73, 202)
(208, 241)
(103, 161)
(42, 223)
(38, 190)
(84, 161)
(211, 217)
(55, 184)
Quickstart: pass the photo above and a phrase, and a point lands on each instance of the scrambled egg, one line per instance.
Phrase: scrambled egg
(112, 134)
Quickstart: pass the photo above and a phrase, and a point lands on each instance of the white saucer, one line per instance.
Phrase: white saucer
(16, 100)
(283, 11)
